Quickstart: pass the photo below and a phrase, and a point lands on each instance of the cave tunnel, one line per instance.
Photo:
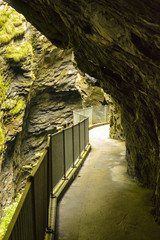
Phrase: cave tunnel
(118, 44)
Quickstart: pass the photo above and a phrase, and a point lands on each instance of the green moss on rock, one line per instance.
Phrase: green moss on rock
(18, 53)
(11, 25)
(17, 19)
(9, 104)
(8, 211)
(19, 106)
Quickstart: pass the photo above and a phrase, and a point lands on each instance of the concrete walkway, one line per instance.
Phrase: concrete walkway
(104, 203)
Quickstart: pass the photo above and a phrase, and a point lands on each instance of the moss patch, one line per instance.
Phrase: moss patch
(12, 24)
(8, 211)
(18, 53)
(19, 106)
(9, 104)
(3, 89)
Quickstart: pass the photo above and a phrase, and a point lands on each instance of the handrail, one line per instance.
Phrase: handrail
(60, 162)
(63, 149)
(96, 114)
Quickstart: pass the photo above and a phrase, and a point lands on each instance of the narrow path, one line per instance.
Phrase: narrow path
(104, 203)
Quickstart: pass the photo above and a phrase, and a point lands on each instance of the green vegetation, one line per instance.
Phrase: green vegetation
(13, 106)
(11, 25)
(8, 104)
(8, 214)
(20, 105)
(17, 19)
(3, 89)
(17, 53)
(18, 118)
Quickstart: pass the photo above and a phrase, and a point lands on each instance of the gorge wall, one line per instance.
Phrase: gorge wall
(115, 120)
(117, 42)
(39, 89)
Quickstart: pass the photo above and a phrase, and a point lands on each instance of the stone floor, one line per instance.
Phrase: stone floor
(104, 203)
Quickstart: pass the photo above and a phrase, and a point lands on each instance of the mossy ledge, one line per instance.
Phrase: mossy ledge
(12, 25)
(8, 214)
(18, 52)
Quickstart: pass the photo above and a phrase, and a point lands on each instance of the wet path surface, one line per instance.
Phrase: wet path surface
(104, 203)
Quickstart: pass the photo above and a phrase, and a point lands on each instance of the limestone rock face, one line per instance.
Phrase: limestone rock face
(117, 42)
(39, 89)
(116, 129)
(115, 119)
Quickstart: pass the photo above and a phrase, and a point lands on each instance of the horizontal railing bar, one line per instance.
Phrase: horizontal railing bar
(79, 114)
(66, 129)
(54, 134)
(83, 109)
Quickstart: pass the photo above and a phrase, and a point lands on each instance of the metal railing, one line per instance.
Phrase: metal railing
(96, 114)
(30, 219)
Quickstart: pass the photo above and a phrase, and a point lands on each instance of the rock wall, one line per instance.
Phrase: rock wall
(117, 42)
(115, 119)
(39, 89)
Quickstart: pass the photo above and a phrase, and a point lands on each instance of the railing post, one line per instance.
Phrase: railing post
(31, 179)
(79, 141)
(49, 166)
(64, 155)
(48, 177)
(73, 145)
(84, 134)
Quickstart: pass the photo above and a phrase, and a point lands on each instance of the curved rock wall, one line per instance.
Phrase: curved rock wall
(115, 120)
(117, 42)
